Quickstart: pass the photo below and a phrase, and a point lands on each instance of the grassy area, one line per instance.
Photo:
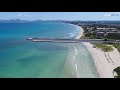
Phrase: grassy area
(103, 47)
(117, 46)
(117, 70)
(83, 37)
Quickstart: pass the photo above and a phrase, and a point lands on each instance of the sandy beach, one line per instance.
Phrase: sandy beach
(105, 62)
(81, 33)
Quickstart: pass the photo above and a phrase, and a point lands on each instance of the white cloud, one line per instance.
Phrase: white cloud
(112, 14)
(22, 15)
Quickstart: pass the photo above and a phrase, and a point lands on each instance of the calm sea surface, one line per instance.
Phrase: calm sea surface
(20, 58)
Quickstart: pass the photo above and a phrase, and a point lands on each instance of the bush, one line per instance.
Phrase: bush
(115, 45)
(118, 47)
(87, 34)
(92, 37)
(117, 70)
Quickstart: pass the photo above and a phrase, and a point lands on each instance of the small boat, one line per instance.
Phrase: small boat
(29, 38)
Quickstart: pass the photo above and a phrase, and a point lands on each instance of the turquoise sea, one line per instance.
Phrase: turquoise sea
(20, 58)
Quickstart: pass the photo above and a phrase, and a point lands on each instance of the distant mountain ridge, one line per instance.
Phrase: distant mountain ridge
(26, 21)
(78, 21)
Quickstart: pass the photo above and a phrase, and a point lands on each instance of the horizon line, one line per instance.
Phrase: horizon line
(55, 20)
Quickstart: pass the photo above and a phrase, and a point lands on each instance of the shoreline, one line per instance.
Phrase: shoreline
(78, 37)
(105, 62)
(79, 28)
(100, 59)
(81, 32)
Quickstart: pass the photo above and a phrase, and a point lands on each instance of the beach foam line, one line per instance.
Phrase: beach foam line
(78, 28)
(81, 33)
(77, 37)
(76, 66)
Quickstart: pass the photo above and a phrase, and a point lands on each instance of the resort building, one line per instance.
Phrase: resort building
(100, 34)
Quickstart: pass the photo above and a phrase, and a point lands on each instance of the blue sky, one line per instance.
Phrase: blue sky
(60, 15)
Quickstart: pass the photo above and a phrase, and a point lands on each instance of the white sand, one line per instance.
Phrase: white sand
(81, 33)
(105, 62)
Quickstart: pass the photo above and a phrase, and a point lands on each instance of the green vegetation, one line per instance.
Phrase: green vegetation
(83, 37)
(90, 31)
(103, 47)
(92, 37)
(114, 36)
(88, 35)
(117, 70)
(117, 46)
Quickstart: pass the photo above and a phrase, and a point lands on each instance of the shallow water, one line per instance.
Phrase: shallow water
(23, 59)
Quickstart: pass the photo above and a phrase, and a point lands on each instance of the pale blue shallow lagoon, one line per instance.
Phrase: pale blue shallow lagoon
(20, 58)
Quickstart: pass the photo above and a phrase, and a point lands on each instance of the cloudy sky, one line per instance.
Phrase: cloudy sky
(60, 15)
